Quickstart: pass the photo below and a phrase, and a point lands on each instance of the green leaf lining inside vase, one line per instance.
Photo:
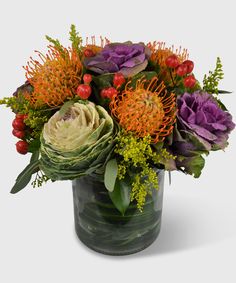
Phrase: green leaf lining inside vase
(110, 176)
(120, 196)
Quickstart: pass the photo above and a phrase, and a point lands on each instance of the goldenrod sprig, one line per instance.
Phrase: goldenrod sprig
(136, 155)
(76, 40)
(56, 43)
(211, 82)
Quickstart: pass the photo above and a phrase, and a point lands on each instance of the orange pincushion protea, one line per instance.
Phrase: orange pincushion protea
(55, 79)
(93, 46)
(159, 54)
(146, 110)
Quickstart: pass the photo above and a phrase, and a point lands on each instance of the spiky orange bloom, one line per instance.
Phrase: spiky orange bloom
(55, 78)
(159, 54)
(93, 46)
(146, 110)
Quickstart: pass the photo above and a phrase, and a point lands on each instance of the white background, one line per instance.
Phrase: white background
(197, 241)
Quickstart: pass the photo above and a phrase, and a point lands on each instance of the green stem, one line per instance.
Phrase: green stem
(172, 79)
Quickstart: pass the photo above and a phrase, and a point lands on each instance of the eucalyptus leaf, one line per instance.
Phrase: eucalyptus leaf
(120, 196)
(110, 176)
(25, 176)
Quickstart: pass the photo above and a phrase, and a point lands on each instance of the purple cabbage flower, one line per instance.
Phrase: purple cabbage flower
(200, 114)
(126, 58)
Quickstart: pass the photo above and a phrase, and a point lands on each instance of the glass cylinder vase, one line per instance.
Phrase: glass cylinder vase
(101, 227)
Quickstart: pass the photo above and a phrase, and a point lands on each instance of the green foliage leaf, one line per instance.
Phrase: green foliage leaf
(25, 176)
(193, 165)
(196, 165)
(153, 66)
(35, 156)
(221, 104)
(224, 91)
(34, 145)
(121, 195)
(145, 75)
(110, 176)
(103, 81)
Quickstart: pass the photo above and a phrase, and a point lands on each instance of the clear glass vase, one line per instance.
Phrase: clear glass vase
(101, 227)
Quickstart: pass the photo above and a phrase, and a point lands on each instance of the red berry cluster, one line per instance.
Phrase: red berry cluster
(85, 90)
(108, 92)
(183, 70)
(118, 81)
(19, 131)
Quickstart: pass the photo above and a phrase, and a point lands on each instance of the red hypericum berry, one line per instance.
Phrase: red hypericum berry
(190, 65)
(18, 124)
(87, 78)
(88, 52)
(190, 81)
(18, 134)
(20, 116)
(182, 70)
(118, 79)
(172, 61)
(25, 116)
(22, 147)
(103, 93)
(110, 92)
(84, 91)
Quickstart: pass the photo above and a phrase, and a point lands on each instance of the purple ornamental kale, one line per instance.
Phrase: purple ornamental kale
(126, 58)
(200, 114)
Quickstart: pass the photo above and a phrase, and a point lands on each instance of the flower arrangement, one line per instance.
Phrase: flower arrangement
(117, 111)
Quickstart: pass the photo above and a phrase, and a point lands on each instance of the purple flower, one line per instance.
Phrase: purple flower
(126, 58)
(200, 114)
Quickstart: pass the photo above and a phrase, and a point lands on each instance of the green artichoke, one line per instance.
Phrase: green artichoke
(76, 143)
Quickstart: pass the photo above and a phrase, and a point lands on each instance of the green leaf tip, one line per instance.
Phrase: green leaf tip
(76, 39)
(57, 45)
(120, 196)
(25, 176)
(110, 176)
